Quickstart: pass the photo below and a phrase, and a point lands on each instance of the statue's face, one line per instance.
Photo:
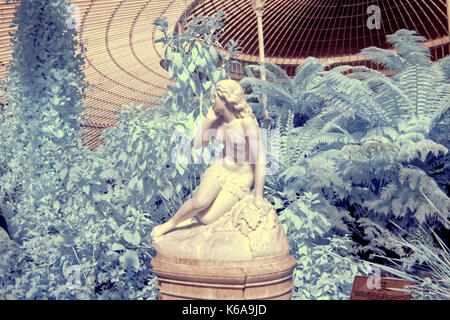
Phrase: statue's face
(219, 105)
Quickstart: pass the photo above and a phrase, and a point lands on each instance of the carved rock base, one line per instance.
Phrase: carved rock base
(242, 255)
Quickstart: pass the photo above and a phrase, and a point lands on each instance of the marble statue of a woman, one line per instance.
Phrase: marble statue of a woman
(237, 247)
(241, 165)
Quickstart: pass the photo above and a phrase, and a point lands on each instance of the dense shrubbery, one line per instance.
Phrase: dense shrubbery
(81, 220)
(57, 197)
(321, 272)
(374, 150)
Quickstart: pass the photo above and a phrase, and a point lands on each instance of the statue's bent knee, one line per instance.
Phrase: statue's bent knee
(205, 220)
(200, 204)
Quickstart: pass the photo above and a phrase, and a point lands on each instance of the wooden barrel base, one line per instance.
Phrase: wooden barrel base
(259, 278)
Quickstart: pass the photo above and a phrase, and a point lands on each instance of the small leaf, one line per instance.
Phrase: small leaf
(202, 62)
(169, 53)
(184, 76)
(128, 237)
(133, 182)
(167, 192)
(130, 259)
(178, 60)
(191, 67)
(140, 185)
(213, 53)
(63, 173)
(117, 247)
(136, 238)
(207, 85)
(194, 53)
(113, 224)
(216, 75)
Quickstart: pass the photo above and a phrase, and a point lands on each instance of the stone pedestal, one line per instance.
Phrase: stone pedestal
(243, 255)
(261, 278)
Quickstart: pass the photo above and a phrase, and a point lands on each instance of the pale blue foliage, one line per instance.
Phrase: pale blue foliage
(58, 198)
(194, 63)
(374, 145)
(81, 220)
(325, 269)
(367, 144)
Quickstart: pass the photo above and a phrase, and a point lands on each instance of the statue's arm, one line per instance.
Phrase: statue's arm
(209, 126)
(257, 155)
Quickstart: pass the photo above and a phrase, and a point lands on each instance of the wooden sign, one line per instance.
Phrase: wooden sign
(375, 288)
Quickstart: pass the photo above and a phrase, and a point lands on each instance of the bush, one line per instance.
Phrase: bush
(325, 269)
(81, 220)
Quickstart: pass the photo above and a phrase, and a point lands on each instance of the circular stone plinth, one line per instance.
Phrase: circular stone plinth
(259, 278)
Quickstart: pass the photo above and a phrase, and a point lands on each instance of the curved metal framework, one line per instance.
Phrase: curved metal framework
(123, 62)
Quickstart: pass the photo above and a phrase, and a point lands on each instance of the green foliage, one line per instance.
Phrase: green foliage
(372, 149)
(427, 265)
(81, 220)
(64, 213)
(195, 61)
(368, 155)
(322, 271)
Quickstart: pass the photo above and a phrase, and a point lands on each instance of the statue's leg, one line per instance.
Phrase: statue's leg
(223, 203)
(234, 188)
(207, 191)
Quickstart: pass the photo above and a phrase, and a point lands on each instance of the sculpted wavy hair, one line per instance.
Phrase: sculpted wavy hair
(232, 94)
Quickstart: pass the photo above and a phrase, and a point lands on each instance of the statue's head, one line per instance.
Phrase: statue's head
(232, 94)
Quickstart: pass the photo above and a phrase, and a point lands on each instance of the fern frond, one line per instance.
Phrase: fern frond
(270, 76)
(278, 72)
(418, 84)
(379, 237)
(439, 100)
(273, 91)
(377, 135)
(388, 191)
(249, 72)
(411, 137)
(305, 71)
(342, 69)
(363, 73)
(421, 149)
(437, 203)
(444, 65)
(410, 47)
(384, 57)
(440, 115)
(395, 103)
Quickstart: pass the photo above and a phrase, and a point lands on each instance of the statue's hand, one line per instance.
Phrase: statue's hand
(258, 201)
(212, 115)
